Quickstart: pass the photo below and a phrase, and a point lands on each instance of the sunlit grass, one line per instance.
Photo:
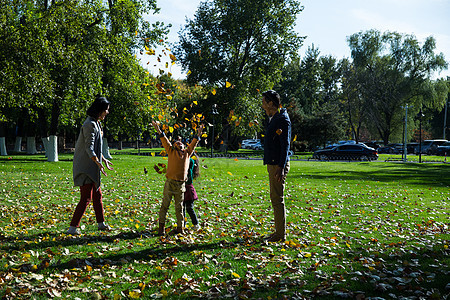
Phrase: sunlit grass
(351, 227)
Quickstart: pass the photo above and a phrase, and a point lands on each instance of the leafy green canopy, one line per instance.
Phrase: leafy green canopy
(56, 57)
(393, 70)
(244, 43)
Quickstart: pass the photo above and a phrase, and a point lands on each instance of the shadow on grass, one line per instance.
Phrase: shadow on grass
(430, 175)
(378, 271)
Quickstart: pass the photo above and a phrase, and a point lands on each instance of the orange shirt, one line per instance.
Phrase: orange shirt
(178, 161)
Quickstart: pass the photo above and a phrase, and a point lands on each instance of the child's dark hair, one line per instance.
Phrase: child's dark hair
(196, 172)
(99, 105)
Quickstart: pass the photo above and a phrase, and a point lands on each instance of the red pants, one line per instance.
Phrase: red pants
(88, 193)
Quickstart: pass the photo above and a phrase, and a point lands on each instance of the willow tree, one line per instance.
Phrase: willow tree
(393, 70)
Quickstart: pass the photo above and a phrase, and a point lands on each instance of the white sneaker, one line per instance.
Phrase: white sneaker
(73, 231)
(104, 227)
(196, 227)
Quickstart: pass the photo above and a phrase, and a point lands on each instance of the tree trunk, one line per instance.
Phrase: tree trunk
(31, 145)
(45, 144)
(18, 144)
(52, 148)
(3, 151)
(19, 135)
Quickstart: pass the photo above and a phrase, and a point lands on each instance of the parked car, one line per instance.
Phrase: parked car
(248, 144)
(396, 148)
(373, 144)
(347, 152)
(428, 146)
(257, 146)
(444, 149)
(411, 147)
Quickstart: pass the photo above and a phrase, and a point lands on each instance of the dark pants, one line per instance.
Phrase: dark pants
(188, 206)
(88, 193)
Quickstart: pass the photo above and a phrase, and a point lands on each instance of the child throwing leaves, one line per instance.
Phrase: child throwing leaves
(190, 195)
(176, 176)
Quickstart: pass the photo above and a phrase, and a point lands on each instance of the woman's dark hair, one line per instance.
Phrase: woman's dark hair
(272, 96)
(99, 105)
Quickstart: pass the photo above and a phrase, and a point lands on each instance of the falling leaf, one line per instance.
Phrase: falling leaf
(195, 102)
(295, 138)
(213, 91)
(227, 84)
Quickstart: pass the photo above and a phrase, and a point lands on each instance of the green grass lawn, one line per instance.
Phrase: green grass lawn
(361, 228)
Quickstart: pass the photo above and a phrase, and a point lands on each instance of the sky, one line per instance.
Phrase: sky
(328, 23)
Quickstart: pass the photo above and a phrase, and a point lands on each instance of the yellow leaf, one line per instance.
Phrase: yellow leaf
(88, 268)
(195, 102)
(227, 84)
(136, 294)
(153, 154)
(295, 138)
(136, 33)
(213, 91)
(229, 173)
(164, 293)
(189, 72)
(137, 226)
(172, 57)
(212, 179)
(204, 135)
(170, 129)
(236, 275)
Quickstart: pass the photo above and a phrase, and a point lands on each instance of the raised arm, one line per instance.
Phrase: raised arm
(165, 142)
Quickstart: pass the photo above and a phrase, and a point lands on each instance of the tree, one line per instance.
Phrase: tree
(67, 51)
(393, 70)
(352, 100)
(239, 48)
(311, 86)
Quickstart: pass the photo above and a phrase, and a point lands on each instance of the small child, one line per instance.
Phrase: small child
(190, 195)
(176, 176)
